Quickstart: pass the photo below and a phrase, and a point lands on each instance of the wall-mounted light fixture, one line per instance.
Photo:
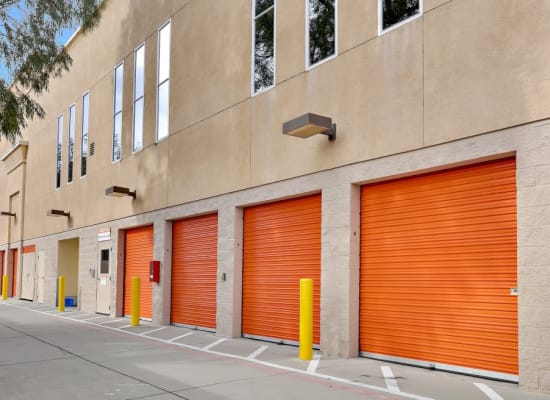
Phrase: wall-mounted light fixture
(7, 213)
(59, 213)
(119, 191)
(310, 124)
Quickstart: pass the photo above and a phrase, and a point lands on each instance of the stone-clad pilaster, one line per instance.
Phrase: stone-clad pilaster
(117, 270)
(533, 181)
(340, 270)
(88, 260)
(162, 252)
(230, 261)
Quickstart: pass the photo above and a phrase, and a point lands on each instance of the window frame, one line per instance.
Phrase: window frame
(104, 262)
(324, 60)
(70, 149)
(135, 100)
(116, 113)
(87, 119)
(59, 151)
(381, 29)
(253, 53)
(165, 81)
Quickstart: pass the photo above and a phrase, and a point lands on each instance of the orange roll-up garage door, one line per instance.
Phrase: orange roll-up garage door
(15, 260)
(194, 271)
(138, 253)
(282, 243)
(438, 263)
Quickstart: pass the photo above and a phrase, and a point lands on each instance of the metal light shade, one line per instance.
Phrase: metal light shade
(119, 191)
(58, 213)
(310, 124)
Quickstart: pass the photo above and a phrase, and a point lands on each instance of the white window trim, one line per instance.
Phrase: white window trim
(69, 142)
(253, 56)
(382, 31)
(142, 45)
(157, 140)
(87, 92)
(115, 113)
(308, 64)
(61, 151)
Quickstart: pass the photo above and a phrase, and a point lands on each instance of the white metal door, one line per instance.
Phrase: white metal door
(28, 274)
(103, 302)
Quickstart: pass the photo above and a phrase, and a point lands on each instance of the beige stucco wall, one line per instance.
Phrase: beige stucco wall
(12, 182)
(459, 70)
(4, 201)
(485, 67)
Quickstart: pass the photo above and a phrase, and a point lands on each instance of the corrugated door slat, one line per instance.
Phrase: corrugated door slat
(438, 260)
(282, 243)
(194, 271)
(138, 253)
(14, 279)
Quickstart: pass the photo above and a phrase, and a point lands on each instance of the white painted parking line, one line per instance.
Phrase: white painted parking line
(391, 383)
(124, 326)
(89, 319)
(490, 393)
(75, 317)
(313, 364)
(257, 352)
(346, 381)
(109, 322)
(217, 342)
(180, 336)
(154, 330)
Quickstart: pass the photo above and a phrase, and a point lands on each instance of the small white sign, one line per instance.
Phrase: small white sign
(103, 281)
(104, 235)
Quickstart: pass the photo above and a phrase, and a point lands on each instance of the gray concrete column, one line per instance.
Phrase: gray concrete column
(117, 263)
(162, 290)
(340, 271)
(533, 189)
(230, 260)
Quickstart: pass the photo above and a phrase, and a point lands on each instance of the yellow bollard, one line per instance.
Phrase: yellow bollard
(5, 287)
(134, 320)
(306, 319)
(61, 294)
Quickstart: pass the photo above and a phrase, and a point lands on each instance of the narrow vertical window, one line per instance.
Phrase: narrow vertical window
(104, 265)
(70, 149)
(117, 118)
(394, 12)
(139, 68)
(58, 151)
(163, 79)
(321, 30)
(84, 139)
(264, 44)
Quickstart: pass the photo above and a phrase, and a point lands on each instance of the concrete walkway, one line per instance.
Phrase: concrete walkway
(47, 355)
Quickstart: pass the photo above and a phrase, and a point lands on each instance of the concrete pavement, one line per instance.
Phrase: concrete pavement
(49, 355)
